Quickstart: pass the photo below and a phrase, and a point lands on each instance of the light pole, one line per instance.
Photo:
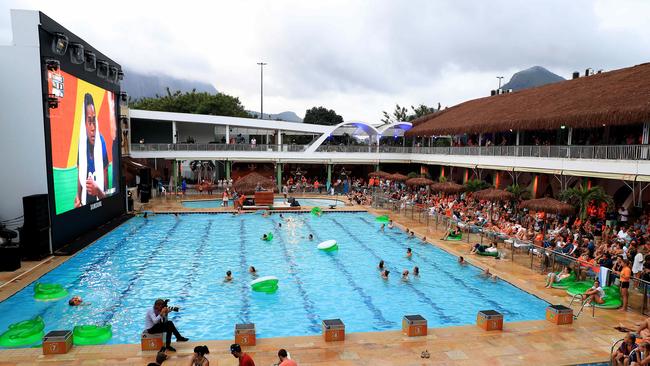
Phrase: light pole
(500, 78)
(262, 64)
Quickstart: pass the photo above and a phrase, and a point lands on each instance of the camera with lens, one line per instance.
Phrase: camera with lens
(171, 308)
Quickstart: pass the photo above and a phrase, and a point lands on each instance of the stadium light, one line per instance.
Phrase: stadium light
(112, 74)
(120, 75)
(91, 61)
(59, 43)
(52, 65)
(77, 54)
(102, 69)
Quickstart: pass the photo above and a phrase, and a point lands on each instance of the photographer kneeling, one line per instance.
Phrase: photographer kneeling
(156, 322)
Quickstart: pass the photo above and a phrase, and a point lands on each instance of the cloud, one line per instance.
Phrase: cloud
(359, 57)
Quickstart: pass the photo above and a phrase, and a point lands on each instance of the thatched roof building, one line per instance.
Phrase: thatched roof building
(248, 183)
(618, 97)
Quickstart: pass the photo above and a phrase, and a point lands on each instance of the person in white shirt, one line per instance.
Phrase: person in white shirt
(595, 294)
(156, 322)
(637, 266)
(623, 215)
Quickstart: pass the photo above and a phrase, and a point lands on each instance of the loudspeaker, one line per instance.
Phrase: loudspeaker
(145, 184)
(9, 258)
(36, 212)
(35, 233)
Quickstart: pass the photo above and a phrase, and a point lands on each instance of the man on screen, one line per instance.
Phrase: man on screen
(92, 161)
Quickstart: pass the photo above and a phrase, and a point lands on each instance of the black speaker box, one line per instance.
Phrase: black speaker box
(9, 258)
(35, 243)
(36, 212)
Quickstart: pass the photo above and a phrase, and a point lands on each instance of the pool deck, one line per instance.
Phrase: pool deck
(523, 343)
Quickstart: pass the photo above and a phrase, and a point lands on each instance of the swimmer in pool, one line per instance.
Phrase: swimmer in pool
(390, 224)
(405, 275)
(461, 260)
(411, 235)
(409, 253)
(416, 271)
(311, 237)
(381, 265)
(252, 270)
(384, 274)
(228, 277)
(424, 239)
(77, 301)
(279, 224)
(382, 227)
(265, 237)
(266, 214)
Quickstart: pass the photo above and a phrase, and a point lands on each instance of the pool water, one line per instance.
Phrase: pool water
(315, 202)
(185, 258)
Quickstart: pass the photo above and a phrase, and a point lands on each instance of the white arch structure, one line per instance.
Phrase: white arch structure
(371, 130)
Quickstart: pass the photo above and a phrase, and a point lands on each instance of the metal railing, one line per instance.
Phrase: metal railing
(609, 152)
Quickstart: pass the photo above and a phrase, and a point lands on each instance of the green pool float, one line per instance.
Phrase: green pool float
(566, 282)
(579, 287)
(269, 237)
(383, 219)
(612, 294)
(488, 254)
(457, 237)
(267, 284)
(49, 291)
(88, 335)
(316, 211)
(24, 333)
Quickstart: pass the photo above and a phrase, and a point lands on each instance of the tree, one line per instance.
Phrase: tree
(219, 104)
(322, 116)
(519, 193)
(400, 114)
(473, 185)
(581, 196)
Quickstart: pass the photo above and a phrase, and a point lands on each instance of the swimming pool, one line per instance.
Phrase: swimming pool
(316, 202)
(185, 258)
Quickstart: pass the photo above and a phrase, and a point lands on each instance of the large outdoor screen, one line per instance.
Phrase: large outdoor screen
(84, 142)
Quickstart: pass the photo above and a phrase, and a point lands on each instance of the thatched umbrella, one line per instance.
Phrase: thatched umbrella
(398, 177)
(447, 187)
(419, 182)
(548, 205)
(248, 183)
(379, 173)
(493, 195)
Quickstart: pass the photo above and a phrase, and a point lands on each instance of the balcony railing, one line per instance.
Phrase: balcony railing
(609, 152)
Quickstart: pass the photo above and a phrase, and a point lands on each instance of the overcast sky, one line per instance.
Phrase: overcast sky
(356, 57)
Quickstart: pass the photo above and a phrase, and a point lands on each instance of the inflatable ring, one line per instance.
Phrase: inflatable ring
(316, 211)
(269, 236)
(328, 246)
(579, 287)
(383, 219)
(49, 291)
(24, 333)
(488, 254)
(87, 335)
(455, 237)
(566, 282)
(267, 284)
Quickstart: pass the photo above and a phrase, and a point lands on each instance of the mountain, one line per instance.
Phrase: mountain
(138, 85)
(284, 116)
(530, 78)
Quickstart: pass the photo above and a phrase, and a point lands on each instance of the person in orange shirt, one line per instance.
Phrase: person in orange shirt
(625, 275)
(283, 355)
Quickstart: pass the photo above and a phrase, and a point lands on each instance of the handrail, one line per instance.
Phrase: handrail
(611, 351)
(607, 152)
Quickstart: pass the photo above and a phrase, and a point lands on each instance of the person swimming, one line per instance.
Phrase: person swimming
(76, 301)
(311, 236)
(416, 271)
(411, 235)
(381, 265)
(405, 275)
(382, 227)
(409, 253)
(461, 260)
(390, 224)
(279, 224)
(265, 237)
(228, 277)
(384, 274)
(424, 239)
(252, 270)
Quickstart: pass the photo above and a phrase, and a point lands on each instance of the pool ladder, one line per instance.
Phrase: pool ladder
(593, 308)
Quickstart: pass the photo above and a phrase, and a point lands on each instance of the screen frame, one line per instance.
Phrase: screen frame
(90, 216)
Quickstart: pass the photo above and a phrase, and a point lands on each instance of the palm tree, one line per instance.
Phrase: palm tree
(581, 196)
(520, 193)
(474, 185)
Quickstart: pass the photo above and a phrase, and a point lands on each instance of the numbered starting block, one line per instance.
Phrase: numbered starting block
(57, 342)
(333, 330)
(245, 334)
(152, 341)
